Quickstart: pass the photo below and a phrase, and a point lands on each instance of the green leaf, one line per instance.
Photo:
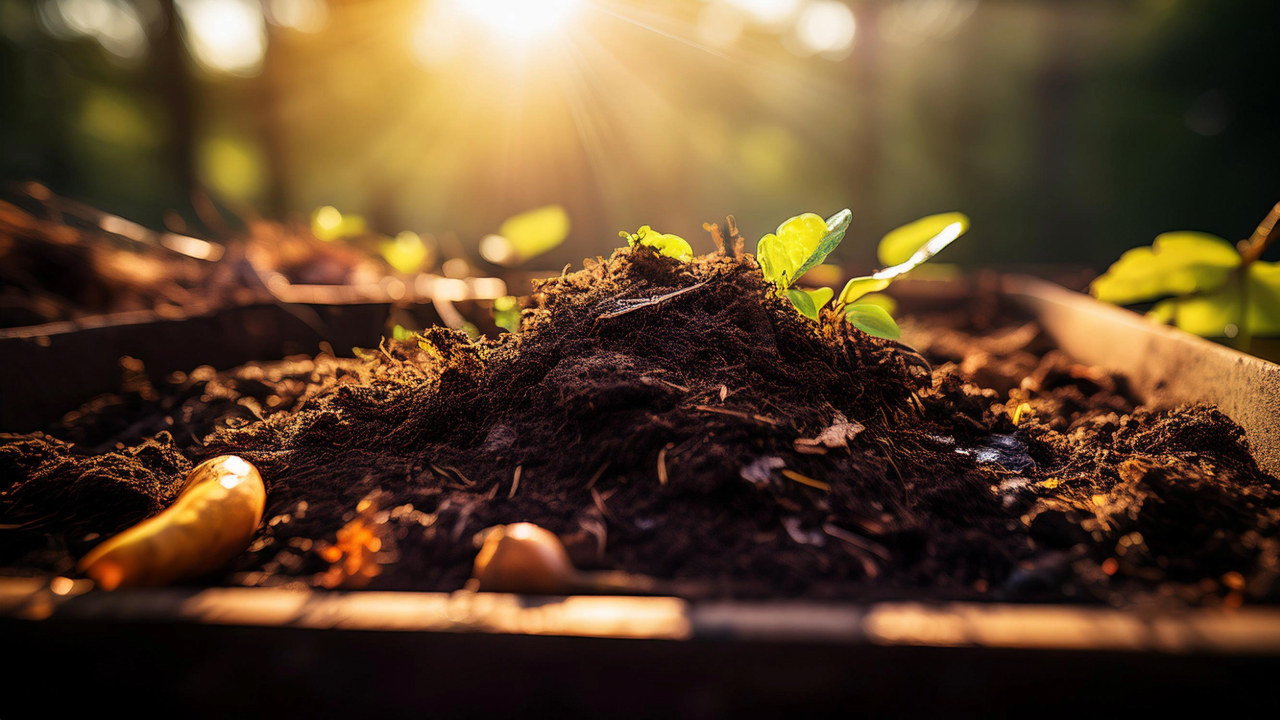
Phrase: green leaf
(821, 296)
(809, 302)
(405, 252)
(803, 303)
(1264, 298)
(1176, 264)
(664, 244)
(872, 320)
(506, 313)
(536, 231)
(1209, 315)
(859, 286)
(836, 226)
(1213, 314)
(1164, 312)
(900, 244)
(800, 243)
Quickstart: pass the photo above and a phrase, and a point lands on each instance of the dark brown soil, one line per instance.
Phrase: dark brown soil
(711, 437)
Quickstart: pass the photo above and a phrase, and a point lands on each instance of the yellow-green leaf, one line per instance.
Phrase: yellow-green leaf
(1164, 311)
(1176, 264)
(800, 243)
(405, 252)
(809, 302)
(872, 320)
(506, 313)
(803, 303)
(327, 223)
(821, 296)
(1264, 298)
(536, 231)
(665, 244)
(1207, 315)
(901, 243)
(860, 286)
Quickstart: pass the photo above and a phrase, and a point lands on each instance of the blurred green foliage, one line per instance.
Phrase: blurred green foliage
(1202, 283)
(1064, 128)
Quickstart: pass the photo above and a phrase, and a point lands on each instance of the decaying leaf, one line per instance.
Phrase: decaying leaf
(837, 435)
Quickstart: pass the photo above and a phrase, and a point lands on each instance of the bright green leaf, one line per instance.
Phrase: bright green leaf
(900, 244)
(536, 231)
(1209, 315)
(809, 302)
(405, 252)
(1176, 264)
(1164, 311)
(327, 223)
(1264, 298)
(803, 303)
(821, 296)
(800, 243)
(859, 286)
(872, 320)
(670, 245)
(506, 313)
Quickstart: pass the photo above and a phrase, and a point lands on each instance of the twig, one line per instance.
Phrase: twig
(737, 413)
(599, 501)
(662, 465)
(857, 541)
(806, 480)
(595, 477)
(515, 482)
(1267, 232)
(638, 303)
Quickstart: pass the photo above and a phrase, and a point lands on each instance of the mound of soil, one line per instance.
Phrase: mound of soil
(680, 420)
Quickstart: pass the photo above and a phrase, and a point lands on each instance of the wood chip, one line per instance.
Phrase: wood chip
(515, 482)
(806, 480)
(837, 435)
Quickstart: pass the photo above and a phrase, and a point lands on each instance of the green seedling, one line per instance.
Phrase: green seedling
(1202, 283)
(506, 313)
(805, 240)
(670, 245)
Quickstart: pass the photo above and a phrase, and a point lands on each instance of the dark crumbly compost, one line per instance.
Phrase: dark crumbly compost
(714, 437)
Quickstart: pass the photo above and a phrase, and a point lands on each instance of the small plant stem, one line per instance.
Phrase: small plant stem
(1268, 232)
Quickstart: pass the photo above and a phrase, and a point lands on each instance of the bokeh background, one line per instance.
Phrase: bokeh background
(1069, 130)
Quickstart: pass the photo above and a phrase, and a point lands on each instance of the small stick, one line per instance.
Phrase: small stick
(738, 245)
(857, 541)
(1266, 233)
(662, 465)
(648, 302)
(515, 482)
(736, 413)
(806, 480)
(595, 477)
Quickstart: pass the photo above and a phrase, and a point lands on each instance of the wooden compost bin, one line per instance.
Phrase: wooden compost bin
(257, 651)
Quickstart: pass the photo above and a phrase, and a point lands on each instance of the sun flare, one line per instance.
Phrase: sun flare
(520, 19)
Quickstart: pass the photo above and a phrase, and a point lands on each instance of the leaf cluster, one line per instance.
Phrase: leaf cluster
(804, 241)
(672, 246)
(1200, 283)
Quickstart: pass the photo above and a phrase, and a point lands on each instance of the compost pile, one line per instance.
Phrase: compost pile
(679, 419)
(51, 270)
